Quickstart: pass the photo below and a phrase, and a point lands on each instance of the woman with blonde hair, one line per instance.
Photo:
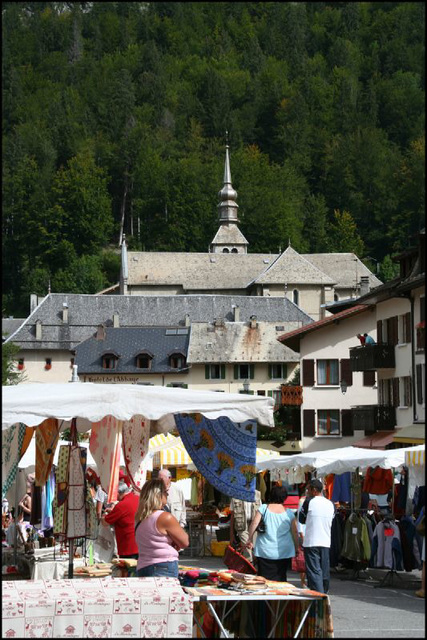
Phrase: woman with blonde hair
(158, 533)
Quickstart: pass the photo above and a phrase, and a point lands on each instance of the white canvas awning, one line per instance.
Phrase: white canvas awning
(33, 403)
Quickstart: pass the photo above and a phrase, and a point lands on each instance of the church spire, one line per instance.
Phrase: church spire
(227, 196)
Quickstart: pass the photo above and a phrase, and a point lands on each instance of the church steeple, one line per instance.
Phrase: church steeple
(229, 238)
(227, 205)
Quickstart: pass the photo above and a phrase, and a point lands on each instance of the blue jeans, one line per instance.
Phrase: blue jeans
(161, 569)
(317, 568)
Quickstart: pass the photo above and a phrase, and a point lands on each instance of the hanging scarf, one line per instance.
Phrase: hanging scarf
(223, 451)
(136, 436)
(104, 445)
(12, 440)
(47, 435)
(61, 493)
(76, 513)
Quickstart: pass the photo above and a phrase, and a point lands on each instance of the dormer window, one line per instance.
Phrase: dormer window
(177, 360)
(109, 360)
(144, 360)
(225, 250)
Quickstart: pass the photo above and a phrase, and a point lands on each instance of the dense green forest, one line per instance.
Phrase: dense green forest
(114, 118)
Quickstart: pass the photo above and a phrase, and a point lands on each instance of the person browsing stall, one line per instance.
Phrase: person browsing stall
(159, 536)
(122, 517)
(176, 500)
(274, 548)
(317, 514)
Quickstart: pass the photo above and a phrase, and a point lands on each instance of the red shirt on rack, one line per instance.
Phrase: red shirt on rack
(123, 519)
(378, 480)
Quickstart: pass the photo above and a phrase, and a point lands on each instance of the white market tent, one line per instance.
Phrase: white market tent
(31, 404)
(340, 460)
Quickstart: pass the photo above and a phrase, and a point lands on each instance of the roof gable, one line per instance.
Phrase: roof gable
(291, 267)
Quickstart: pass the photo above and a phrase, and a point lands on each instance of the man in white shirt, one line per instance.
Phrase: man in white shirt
(317, 514)
(176, 500)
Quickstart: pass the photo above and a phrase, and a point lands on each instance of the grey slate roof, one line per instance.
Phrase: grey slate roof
(10, 325)
(291, 267)
(127, 344)
(344, 268)
(237, 342)
(210, 272)
(229, 234)
(86, 312)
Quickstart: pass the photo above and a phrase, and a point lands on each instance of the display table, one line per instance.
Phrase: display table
(42, 564)
(96, 608)
(281, 612)
(197, 534)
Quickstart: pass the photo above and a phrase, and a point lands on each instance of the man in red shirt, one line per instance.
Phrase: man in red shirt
(122, 517)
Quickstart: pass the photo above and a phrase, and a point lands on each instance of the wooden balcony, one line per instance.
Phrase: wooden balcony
(372, 357)
(373, 418)
(291, 395)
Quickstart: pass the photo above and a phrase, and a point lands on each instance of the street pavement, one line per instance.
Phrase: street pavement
(359, 608)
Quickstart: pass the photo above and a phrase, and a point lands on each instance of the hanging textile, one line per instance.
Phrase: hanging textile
(12, 440)
(61, 494)
(49, 493)
(337, 537)
(386, 547)
(29, 432)
(341, 488)
(328, 482)
(223, 451)
(104, 445)
(356, 487)
(378, 480)
(47, 436)
(76, 512)
(356, 545)
(136, 437)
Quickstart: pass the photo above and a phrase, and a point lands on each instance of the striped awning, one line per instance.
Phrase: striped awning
(175, 455)
(415, 458)
(163, 441)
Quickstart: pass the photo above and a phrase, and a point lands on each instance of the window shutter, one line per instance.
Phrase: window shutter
(379, 331)
(251, 393)
(223, 372)
(346, 372)
(408, 327)
(236, 371)
(185, 386)
(270, 371)
(396, 399)
(309, 417)
(395, 325)
(284, 370)
(207, 372)
(308, 373)
(169, 384)
(420, 383)
(369, 378)
(270, 393)
(251, 371)
(346, 423)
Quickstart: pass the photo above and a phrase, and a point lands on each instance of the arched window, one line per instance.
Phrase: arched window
(109, 360)
(336, 297)
(234, 250)
(177, 360)
(143, 360)
(295, 296)
(225, 250)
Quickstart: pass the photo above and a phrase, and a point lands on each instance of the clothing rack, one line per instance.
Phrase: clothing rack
(391, 572)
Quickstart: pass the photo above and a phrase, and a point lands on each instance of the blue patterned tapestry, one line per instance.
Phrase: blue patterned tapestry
(223, 451)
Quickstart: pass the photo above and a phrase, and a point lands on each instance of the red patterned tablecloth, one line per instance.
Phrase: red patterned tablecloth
(96, 608)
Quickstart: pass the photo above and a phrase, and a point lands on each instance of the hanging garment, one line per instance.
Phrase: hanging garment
(12, 440)
(341, 490)
(36, 505)
(47, 512)
(356, 545)
(386, 547)
(378, 480)
(337, 538)
(410, 551)
(61, 493)
(194, 500)
(47, 436)
(356, 487)
(223, 451)
(136, 436)
(329, 485)
(104, 445)
(76, 512)
(262, 486)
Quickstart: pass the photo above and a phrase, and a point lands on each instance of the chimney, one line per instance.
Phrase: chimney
(33, 302)
(38, 330)
(236, 310)
(364, 285)
(187, 320)
(100, 332)
(116, 322)
(253, 322)
(65, 312)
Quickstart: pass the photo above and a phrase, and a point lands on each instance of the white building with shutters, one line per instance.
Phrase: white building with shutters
(332, 392)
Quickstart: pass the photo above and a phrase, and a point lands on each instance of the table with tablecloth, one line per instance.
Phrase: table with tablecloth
(96, 608)
(280, 611)
(40, 564)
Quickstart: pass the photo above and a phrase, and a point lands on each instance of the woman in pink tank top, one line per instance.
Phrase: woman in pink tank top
(158, 533)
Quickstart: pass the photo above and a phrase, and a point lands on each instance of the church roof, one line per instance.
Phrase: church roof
(237, 342)
(291, 267)
(86, 312)
(345, 268)
(229, 234)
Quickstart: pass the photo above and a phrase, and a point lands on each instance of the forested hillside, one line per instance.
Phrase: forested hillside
(114, 116)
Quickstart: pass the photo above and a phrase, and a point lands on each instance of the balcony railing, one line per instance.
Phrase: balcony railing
(372, 357)
(291, 395)
(372, 418)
